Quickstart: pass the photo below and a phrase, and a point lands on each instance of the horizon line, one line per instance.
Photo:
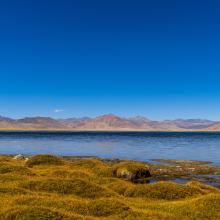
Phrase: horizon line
(107, 114)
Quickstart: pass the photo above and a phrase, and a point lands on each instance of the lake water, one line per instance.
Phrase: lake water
(142, 146)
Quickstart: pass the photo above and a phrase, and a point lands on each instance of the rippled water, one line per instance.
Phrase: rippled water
(123, 145)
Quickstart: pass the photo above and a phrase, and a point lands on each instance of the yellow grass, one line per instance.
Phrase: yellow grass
(48, 187)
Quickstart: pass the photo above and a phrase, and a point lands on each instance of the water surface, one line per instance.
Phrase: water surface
(141, 146)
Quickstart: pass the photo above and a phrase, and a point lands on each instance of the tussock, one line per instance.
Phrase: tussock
(163, 190)
(48, 187)
(78, 187)
(35, 213)
(44, 160)
(8, 168)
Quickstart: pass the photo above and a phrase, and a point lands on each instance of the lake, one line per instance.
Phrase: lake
(142, 146)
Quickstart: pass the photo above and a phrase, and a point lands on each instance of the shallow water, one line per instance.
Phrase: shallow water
(142, 146)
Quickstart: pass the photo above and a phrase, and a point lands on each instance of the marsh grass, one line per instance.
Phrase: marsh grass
(48, 187)
(163, 190)
(8, 168)
(74, 186)
(44, 160)
(132, 171)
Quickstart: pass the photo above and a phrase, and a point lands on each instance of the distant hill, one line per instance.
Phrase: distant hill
(30, 123)
(191, 123)
(214, 127)
(108, 122)
(40, 122)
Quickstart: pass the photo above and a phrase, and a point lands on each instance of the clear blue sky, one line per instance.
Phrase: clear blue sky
(155, 58)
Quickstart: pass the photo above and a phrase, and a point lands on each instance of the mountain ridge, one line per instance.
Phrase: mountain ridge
(107, 122)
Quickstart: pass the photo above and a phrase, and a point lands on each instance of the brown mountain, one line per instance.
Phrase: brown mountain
(190, 123)
(74, 123)
(215, 127)
(139, 121)
(30, 123)
(40, 122)
(107, 122)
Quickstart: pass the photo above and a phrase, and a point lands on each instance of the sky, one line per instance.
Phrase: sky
(68, 58)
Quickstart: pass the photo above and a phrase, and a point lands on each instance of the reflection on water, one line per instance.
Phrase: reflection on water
(124, 145)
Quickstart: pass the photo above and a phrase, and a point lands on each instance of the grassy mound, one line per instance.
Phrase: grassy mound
(76, 187)
(99, 207)
(92, 163)
(133, 171)
(35, 213)
(104, 207)
(9, 168)
(210, 205)
(93, 189)
(70, 174)
(44, 160)
(163, 190)
(202, 208)
(204, 188)
(120, 186)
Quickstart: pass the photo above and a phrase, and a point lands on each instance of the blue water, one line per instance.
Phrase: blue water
(142, 146)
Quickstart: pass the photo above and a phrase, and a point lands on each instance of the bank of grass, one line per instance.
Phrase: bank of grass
(49, 187)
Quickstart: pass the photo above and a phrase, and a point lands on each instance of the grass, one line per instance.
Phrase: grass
(132, 171)
(48, 187)
(44, 160)
(164, 190)
(32, 213)
(73, 186)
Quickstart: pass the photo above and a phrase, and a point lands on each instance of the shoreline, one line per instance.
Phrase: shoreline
(107, 131)
(88, 188)
(178, 171)
(152, 161)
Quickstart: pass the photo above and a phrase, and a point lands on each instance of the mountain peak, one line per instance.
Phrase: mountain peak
(139, 117)
(108, 116)
(109, 122)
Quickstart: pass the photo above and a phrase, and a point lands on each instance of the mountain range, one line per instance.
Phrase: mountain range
(108, 122)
